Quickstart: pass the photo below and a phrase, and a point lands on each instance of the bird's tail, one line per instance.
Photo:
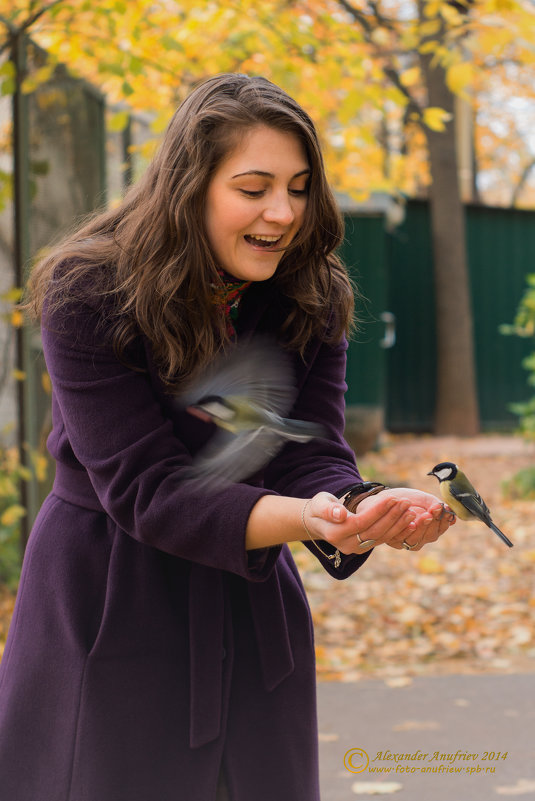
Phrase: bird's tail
(500, 534)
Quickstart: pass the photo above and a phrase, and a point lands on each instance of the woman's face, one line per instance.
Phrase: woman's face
(256, 203)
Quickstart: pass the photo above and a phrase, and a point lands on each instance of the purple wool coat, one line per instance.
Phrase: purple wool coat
(148, 649)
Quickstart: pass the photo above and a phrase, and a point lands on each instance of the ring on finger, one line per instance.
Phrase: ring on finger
(409, 547)
(365, 545)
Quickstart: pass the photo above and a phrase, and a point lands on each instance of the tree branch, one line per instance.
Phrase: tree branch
(390, 72)
(9, 25)
(522, 182)
(39, 13)
(13, 30)
(358, 16)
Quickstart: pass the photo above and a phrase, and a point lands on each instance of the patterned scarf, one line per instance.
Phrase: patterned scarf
(228, 296)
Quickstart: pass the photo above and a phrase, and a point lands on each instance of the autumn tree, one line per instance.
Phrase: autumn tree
(427, 56)
(407, 47)
(456, 410)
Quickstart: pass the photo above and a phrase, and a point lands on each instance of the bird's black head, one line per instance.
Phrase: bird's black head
(444, 471)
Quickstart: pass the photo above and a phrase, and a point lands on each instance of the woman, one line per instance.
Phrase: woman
(162, 646)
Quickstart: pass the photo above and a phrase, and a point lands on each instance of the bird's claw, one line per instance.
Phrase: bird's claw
(447, 511)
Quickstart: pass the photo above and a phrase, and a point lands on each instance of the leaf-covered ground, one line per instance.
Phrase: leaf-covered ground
(463, 604)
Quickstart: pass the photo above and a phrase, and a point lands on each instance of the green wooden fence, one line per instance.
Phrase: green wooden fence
(395, 272)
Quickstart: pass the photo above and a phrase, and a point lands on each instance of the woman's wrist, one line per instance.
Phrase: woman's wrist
(334, 557)
(274, 520)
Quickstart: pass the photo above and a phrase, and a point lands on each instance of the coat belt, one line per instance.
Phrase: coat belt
(206, 620)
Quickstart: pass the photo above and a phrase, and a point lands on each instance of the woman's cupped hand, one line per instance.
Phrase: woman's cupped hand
(400, 517)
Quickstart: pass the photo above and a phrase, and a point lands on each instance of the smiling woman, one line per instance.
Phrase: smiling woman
(162, 644)
(256, 202)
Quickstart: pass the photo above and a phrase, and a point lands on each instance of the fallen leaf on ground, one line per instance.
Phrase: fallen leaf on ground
(522, 787)
(417, 725)
(381, 788)
(328, 737)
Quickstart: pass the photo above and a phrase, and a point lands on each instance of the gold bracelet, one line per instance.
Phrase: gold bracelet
(334, 557)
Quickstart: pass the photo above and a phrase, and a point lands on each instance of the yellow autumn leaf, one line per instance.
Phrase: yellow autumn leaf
(17, 318)
(12, 514)
(429, 28)
(41, 467)
(451, 15)
(380, 36)
(46, 383)
(13, 295)
(37, 78)
(7, 486)
(25, 473)
(427, 47)
(502, 5)
(18, 375)
(432, 8)
(429, 564)
(436, 118)
(118, 121)
(459, 76)
(411, 76)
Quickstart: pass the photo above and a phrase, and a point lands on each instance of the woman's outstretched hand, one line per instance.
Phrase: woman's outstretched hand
(400, 517)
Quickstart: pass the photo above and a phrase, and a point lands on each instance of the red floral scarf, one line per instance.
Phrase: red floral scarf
(228, 296)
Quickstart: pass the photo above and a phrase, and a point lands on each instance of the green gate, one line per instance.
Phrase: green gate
(396, 273)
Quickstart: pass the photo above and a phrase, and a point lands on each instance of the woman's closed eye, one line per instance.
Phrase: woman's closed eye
(252, 192)
(260, 192)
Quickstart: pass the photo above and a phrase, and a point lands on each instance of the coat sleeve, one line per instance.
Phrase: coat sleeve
(324, 464)
(117, 431)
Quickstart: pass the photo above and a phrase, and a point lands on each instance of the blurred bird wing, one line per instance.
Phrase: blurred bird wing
(257, 370)
(228, 458)
(298, 430)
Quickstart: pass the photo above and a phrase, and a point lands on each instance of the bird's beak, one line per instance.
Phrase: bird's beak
(197, 411)
(430, 473)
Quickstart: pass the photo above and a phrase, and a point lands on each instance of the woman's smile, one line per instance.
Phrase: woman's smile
(262, 241)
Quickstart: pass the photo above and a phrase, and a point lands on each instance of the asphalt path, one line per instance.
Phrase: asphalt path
(440, 738)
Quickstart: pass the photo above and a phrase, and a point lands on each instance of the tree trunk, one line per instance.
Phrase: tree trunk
(456, 410)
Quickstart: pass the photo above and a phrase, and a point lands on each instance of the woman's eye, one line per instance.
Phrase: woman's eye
(260, 192)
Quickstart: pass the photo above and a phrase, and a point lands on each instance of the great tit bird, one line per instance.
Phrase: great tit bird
(462, 498)
(247, 393)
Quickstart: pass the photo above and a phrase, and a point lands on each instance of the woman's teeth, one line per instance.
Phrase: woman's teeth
(263, 241)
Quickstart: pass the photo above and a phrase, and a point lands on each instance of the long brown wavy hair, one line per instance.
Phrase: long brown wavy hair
(151, 254)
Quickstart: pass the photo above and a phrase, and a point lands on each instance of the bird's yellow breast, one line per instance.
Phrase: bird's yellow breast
(455, 506)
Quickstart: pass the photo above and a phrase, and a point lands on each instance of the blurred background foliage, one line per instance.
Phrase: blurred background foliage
(356, 66)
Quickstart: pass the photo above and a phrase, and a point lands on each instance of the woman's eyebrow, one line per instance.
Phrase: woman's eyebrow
(263, 174)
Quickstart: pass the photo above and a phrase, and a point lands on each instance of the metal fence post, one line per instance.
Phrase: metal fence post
(21, 253)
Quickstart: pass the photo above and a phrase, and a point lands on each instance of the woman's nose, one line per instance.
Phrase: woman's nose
(279, 209)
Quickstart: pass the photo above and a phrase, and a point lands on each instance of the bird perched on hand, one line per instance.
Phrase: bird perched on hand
(462, 498)
(247, 393)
